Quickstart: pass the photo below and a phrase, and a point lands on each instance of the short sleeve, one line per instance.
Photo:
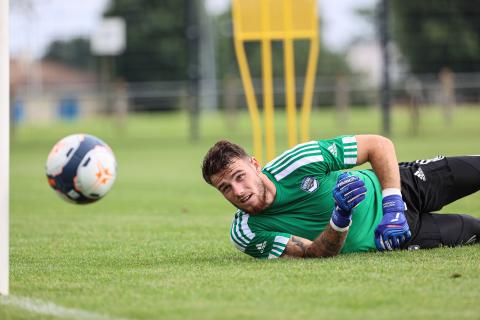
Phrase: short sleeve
(256, 243)
(339, 153)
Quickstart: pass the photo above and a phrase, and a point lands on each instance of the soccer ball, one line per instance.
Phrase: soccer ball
(81, 168)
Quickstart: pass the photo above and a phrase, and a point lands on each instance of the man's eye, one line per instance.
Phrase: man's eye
(241, 176)
(225, 189)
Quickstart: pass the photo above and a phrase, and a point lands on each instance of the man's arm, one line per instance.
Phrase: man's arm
(393, 231)
(380, 152)
(348, 193)
(327, 244)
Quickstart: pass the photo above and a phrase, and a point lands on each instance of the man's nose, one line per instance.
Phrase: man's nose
(238, 189)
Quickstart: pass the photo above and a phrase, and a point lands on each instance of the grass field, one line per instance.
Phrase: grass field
(157, 246)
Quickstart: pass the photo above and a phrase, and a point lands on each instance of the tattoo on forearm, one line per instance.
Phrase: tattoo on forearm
(328, 244)
(299, 244)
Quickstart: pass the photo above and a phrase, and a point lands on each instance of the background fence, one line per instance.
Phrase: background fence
(180, 49)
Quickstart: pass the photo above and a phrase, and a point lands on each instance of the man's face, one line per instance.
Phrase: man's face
(241, 184)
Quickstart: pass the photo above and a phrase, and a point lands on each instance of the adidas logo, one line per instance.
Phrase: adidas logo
(471, 240)
(437, 158)
(419, 174)
(261, 246)
(333, 149)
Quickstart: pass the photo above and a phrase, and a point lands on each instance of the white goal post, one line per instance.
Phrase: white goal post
(4, 145)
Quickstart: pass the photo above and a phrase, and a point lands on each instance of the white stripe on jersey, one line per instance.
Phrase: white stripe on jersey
(234, 237)
(278, 247)
(245, 228)
(290, 151)
(235, 234)
(240, 231)
(281, 239)
(350, 160)
(313, 152)
(350, 154)
(236, 244)
(276, 252)
(349, 140)
(237, 231)
(297, 164)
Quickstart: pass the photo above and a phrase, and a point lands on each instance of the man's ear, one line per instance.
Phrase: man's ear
(256, 164)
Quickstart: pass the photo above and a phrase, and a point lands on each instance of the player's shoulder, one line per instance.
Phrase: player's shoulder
(308, 152)
(348, 139)
(241, 234)
(296, 151)
(294, 158)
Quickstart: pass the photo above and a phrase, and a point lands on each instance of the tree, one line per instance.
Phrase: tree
(156, 39)
(75, 53)
(434, 34)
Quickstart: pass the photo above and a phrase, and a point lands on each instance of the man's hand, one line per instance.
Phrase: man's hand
(348, 193)
(393, 231)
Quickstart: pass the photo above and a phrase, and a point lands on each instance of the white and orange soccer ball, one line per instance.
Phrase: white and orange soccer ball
(81, 168)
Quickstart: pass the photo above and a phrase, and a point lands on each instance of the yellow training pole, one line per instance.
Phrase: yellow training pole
(248, 87)
(267, 78)
(265, 21)
(290, 89)
(309, 80)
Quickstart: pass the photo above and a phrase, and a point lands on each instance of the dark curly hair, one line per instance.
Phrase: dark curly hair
(219, 157)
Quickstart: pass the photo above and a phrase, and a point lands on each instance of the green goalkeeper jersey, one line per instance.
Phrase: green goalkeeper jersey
(304, 177)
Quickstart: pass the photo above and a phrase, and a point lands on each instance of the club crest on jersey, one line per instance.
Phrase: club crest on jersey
(309, 184)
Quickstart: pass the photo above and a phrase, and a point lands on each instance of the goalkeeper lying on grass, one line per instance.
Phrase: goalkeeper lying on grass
(302, 205)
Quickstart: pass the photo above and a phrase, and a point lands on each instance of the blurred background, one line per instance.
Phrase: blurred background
(75, 60)
(158, 80)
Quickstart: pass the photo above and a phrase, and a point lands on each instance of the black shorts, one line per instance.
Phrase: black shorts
(427, 186)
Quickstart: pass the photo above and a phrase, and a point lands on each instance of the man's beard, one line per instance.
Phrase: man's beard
(262, 194)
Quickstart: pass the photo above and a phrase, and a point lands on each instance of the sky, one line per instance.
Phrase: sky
(33, 28)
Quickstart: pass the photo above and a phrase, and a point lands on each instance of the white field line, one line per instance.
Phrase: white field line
(48, 308)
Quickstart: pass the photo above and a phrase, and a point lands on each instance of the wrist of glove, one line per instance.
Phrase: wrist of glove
(393, 231)
(348, 193)
(341, 219)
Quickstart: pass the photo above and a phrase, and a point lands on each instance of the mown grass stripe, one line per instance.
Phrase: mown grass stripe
(50, 309)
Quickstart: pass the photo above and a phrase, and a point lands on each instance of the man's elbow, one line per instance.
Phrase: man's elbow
(381, 144)
(372, 146)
